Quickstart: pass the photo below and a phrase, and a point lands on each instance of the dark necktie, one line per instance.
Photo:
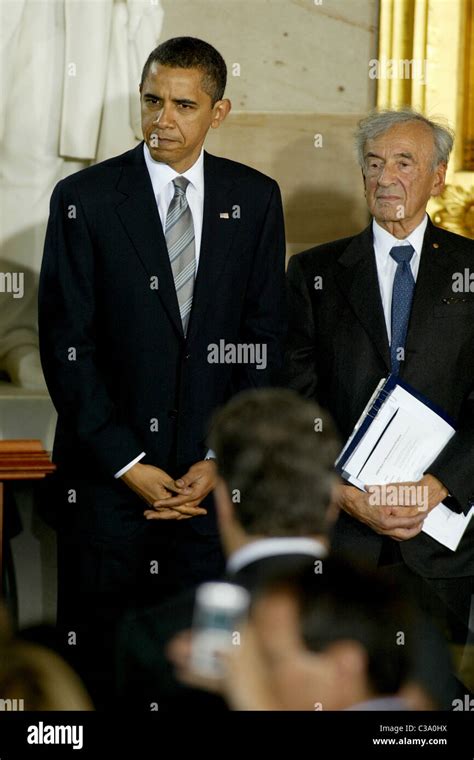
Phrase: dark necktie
(179, 234)
(402, 297)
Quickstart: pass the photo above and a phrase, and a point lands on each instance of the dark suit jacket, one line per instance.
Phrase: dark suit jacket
(120, 373)
(338, 351)
(146, 676)
(144, 673)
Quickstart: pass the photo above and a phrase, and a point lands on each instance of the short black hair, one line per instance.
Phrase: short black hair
(192, 53)
(275, 452)
(348, 601)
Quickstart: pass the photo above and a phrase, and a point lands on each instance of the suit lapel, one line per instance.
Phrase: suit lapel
(357, 278)
(139, 215)
(217, 234)
(434, 277)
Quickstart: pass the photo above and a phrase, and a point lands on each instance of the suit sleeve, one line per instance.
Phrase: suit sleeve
(264, 320)
(455, 465)
(300, 359)
(67, 308)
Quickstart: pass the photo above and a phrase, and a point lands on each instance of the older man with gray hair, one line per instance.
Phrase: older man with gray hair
(383, 301)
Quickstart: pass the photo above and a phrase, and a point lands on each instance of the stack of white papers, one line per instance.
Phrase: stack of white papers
(447, 526)
(398, 436)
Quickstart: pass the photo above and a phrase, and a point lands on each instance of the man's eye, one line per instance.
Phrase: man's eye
(184, 105)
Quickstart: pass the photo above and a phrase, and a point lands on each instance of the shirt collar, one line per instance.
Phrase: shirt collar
(270, 547)
(384, 241)
(161, 174)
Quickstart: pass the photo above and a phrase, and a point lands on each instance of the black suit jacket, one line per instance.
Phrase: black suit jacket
(338, 351)
(145, 675)
(120, 373)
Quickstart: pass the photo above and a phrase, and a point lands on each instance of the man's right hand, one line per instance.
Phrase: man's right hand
(399, 523)
(151, 484)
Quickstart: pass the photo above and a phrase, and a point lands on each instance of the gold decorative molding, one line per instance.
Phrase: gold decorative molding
(433, 42)
(468, 124)
(455, 210)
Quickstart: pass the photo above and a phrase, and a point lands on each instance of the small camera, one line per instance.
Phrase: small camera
(219, 612)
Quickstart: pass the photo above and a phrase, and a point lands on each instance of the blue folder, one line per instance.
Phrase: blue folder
(369, 415)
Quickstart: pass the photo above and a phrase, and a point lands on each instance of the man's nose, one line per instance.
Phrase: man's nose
(387, 176)
(164, 117)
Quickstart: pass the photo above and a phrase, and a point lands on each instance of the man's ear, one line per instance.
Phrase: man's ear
(219, 112)
(439, 180)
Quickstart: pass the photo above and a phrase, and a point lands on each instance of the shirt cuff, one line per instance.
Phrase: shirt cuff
(129, 465)
(210, 455)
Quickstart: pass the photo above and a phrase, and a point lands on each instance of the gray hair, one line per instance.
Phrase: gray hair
(380, 121)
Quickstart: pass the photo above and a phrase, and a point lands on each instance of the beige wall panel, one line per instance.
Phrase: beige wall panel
(321, 187)
(294, 55)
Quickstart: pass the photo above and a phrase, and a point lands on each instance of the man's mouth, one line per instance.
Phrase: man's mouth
(161, 140)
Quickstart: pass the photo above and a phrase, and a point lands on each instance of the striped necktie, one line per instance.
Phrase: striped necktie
(402, 297)
(179, 234)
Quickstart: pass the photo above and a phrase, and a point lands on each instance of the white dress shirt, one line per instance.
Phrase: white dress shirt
(272, 547)
(386, 266)
(162, 177)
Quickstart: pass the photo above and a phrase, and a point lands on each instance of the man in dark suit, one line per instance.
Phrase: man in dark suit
(316, 642)
(273, 497)
(356, 314)
(161, 295)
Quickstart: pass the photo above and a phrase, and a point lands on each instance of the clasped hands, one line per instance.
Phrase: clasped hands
(170, 499)
(399, 517)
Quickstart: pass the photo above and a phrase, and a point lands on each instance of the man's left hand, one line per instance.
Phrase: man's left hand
(436, 490)
(196, 484)
(424, 494)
